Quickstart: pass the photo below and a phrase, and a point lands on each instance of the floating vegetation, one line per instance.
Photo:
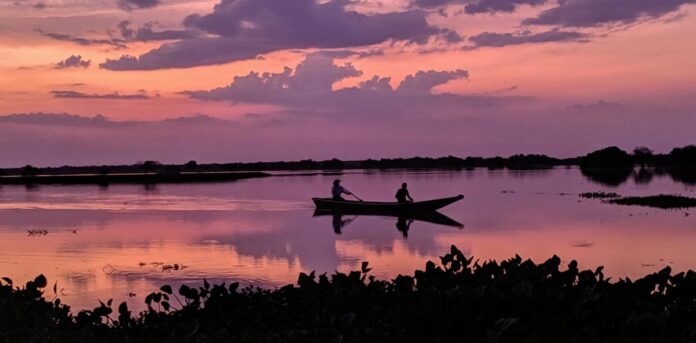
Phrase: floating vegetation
(165, 267)
(659, 201)
(599, 195)
(173, 267)
(37, 232)
(457, 300)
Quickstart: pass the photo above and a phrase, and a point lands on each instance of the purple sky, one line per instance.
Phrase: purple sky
(120, 81)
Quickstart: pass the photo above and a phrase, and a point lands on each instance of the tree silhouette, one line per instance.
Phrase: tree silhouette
(30, 171)
(150, 166)
(643, 155)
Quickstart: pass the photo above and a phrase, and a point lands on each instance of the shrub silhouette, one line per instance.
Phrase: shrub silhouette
(459, 300)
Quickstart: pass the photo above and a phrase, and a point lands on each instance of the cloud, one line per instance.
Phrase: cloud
(600, 104)
(494, 6)
(244, 29)
(494, 39)
(147, 33)
(307, 91)
(313, 79)
(73, 120)
(129, 5)
(423, 82)
(39, 5)
(74, 61)
(62, 119)
(67, 139)
(114, 95)
(480, 6)
(118, 43)
(591, 13)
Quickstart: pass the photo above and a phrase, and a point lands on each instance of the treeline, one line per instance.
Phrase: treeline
(613, 157)
(612, 166)
(456, 300)
(610, 157)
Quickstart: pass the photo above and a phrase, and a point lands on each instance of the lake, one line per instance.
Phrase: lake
(124, 241)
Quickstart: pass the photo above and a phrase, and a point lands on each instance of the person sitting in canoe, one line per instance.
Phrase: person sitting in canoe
(337, 190)
(402, 195)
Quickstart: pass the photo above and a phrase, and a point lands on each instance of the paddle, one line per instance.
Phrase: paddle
(351, 193)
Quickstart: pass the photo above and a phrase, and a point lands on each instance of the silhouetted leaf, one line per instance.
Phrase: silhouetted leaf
(40, 281)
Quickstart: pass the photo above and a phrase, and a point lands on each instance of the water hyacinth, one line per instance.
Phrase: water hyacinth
(459, 299)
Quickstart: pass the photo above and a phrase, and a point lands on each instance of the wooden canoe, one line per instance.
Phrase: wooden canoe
(385, 207)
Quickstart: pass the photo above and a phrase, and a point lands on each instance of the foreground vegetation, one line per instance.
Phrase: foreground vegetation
(458, 300)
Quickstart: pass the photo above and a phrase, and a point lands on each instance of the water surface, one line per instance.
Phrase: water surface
(116, 241)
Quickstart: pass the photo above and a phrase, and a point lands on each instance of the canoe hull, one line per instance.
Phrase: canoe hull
(385, 207)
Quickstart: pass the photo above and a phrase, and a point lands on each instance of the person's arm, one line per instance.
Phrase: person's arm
(409, 196)
(345, 191)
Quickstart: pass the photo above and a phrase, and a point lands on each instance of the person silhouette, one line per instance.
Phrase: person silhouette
(402, 195)
(337, 190)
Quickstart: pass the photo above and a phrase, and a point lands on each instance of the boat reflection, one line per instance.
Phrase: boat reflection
(341, 219)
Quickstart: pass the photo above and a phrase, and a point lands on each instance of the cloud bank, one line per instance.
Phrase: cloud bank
(244, 29)
(592, 13)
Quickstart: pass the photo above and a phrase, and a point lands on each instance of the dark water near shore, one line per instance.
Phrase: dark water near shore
(110, 242)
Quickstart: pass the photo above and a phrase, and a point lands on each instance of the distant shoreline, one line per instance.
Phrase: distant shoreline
(682, 160)
(131, 178)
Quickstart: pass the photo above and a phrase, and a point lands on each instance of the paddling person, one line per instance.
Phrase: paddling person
(402, 195)
(337, 190)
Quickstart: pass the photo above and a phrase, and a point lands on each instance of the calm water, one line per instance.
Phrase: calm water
(111, 242)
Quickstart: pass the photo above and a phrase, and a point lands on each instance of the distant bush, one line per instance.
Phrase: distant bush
(685, 156)
(611, 157)
(460, 300)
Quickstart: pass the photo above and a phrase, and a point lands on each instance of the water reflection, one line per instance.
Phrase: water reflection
(341, 219)
(107, 243)
(640, 175)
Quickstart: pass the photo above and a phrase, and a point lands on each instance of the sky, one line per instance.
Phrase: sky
(121, 81)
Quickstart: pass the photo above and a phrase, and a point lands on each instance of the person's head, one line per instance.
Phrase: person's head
(337, 182)
(404, 185)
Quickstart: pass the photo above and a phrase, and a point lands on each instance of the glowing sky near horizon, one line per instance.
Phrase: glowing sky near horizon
(247, 80)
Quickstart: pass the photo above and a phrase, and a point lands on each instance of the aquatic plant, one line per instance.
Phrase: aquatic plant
(599, 195)
(458, 299)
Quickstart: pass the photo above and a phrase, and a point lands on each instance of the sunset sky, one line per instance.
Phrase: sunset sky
(120, 81)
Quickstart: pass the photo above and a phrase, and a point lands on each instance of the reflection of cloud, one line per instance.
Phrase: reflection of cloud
(583, 244)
